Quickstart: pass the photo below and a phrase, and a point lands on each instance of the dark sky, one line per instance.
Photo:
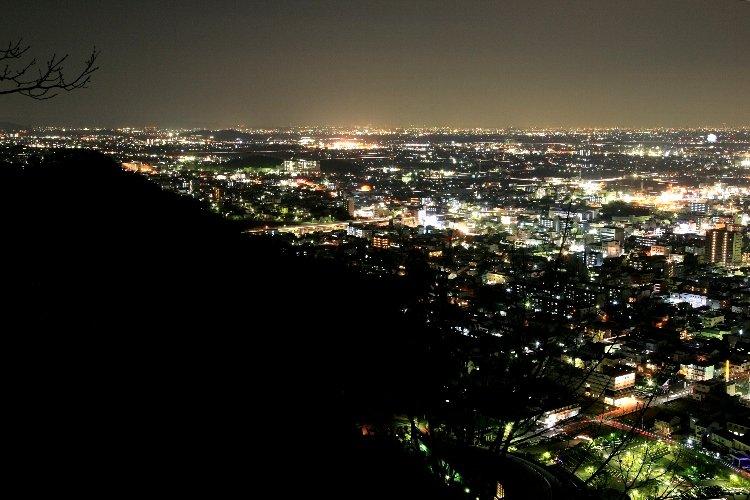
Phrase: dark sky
(463, 63)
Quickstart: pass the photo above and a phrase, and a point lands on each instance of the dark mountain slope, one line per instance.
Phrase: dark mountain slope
(154, 350)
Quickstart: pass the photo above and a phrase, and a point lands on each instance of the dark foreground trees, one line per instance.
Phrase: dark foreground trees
(155, 350)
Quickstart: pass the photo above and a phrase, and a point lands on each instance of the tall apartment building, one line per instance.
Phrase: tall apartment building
(723, 246)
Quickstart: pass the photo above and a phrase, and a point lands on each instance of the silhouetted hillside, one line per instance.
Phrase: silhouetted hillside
(155, 350)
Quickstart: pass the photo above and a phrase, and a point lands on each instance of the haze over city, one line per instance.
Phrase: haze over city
(575, 63)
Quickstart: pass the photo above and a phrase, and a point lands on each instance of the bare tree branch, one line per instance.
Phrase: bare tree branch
(16, 74)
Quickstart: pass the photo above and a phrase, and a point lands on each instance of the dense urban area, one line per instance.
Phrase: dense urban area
(586, 293)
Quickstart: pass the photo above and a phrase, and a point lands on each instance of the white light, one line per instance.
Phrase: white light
(712, 138)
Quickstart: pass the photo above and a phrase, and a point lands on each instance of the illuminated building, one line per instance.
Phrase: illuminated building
(697, 371)
(552, 417)
(723, 246)
(410, 218)
(658, 250)
(381, 242)
(698, 208)
(594, 256)
(300, 166)
(494, 278)
(499, 492)
(612, 249)
(613, 384)
(645, 241)
(358, 231)
(612, 234)
(137, 166)
(546, 223)
(563, 224)
(429, 216)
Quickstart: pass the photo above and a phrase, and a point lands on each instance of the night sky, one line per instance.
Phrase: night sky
(492, 64)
